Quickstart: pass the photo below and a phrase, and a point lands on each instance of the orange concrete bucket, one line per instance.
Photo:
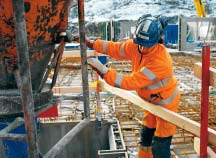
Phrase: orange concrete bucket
(45, 19)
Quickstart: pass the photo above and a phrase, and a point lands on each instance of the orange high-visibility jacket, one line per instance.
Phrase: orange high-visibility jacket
(152, 74)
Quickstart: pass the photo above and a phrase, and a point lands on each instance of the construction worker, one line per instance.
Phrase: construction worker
(152, 78)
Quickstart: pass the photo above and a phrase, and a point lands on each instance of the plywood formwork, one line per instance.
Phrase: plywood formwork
(130, 115)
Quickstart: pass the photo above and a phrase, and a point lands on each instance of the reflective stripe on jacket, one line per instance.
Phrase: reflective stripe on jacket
(152, 74)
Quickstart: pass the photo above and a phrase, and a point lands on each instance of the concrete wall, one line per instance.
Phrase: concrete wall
(85, 145)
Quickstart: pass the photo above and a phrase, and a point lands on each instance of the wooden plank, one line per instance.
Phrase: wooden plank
(210, 152)
(198, 73)
(197, 145)
(71, 89)
(176, 119)
(76, 53)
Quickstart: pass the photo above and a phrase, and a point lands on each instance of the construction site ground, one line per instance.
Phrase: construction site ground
(69, 85)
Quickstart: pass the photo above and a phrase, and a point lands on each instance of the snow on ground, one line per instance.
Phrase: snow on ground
(100, 10)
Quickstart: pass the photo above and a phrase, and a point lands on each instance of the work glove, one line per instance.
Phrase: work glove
(97, 66)
(89, 43)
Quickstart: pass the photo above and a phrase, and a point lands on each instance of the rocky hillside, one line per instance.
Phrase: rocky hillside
(100, 10)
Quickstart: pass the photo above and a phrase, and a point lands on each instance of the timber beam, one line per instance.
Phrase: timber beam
(198, 73)
(170, 116)
(76, 53)
(71, 89)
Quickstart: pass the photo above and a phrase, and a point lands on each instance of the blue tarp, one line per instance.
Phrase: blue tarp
(171, 34)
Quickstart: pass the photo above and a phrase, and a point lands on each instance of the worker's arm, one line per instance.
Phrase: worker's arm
(117, 50)
(134, 81)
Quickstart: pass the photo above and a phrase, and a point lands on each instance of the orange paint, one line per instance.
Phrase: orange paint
(45, 19)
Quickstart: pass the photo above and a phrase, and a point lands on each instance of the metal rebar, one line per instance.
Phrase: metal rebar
(83, 58)
(16, 123)
(60, 145)
(60, 51)
(25, 77)
(55, 61)
(11, 136)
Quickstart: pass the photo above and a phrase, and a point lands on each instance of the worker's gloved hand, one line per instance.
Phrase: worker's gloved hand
(97, 66)
(89, 43)
(76, 38)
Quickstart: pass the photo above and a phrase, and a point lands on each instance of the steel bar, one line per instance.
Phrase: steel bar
(68, 97)
(204, 101)
(84, 66)
(60, 145)
(83, 58)
(11, 136)
(48, 70)
(25, 78)
(99, 109)
(16, 123)
(60, 51)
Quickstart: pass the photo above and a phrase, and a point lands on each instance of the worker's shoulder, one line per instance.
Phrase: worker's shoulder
(130, 43)
(161, 46)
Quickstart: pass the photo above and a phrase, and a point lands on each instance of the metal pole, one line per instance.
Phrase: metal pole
(16, 123)
(98, 92)
(60, 145)
(60, 51)
(56, 60)
(15, 137)
(83, 58)
(84, 69)
(99, 109)
(204, 101)
(25, 78)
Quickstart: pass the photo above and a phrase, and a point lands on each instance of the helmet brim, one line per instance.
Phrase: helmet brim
(142, 43)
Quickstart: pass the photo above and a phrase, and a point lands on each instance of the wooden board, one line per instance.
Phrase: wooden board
(76, 53)
(211, 153)
(176, 119)
(198, 73)
(71, 89)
